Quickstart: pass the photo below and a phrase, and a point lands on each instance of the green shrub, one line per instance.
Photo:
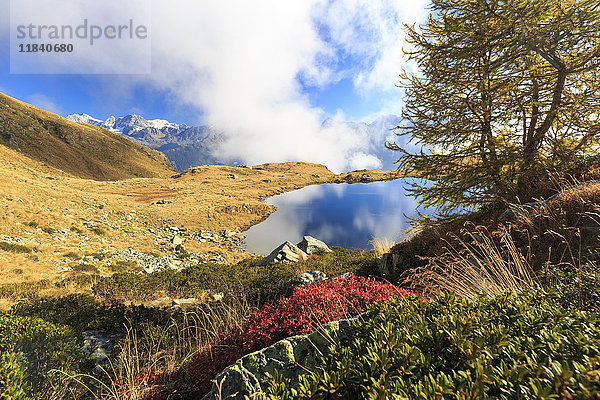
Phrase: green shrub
(33, 224)
(124, 266)
(117, 268)
(256, 284)
(502, 348)
(98, 231)
(97, 256)
(76, 230)
(13, 370)
(340, 261)
(32, 351)
(49, 230)
(83, 267)
(79, 281)
(72, 255)
(82, 312)
(14, 248)
(23, 289)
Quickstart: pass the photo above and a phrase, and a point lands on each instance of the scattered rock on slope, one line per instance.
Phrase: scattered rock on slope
(311, 245)
(286, 252)
(289, 357)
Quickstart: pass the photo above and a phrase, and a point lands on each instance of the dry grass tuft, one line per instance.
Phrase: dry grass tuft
(480, 267)
(142, 357)
(381, 245)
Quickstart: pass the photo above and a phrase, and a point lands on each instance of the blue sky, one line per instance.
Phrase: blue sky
(267, 72)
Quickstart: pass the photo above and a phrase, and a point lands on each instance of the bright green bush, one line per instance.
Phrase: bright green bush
(13, 367)
(32, 351)
(85, 267)
(528, 347)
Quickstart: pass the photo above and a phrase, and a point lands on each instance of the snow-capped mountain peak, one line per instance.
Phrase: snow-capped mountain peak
(85, 119)
(162, 124)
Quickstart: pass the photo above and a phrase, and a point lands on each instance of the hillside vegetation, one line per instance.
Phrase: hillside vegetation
(81, 150)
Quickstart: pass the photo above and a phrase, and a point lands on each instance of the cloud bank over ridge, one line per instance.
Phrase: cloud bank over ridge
(249, 68)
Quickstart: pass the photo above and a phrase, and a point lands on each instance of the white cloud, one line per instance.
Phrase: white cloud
(44, 102)
(374, 31)
(240, 63)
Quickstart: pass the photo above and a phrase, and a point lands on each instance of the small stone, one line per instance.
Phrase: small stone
(309, 277)
(176, 240)
(217, 296)
(183, 303)
(162, 302)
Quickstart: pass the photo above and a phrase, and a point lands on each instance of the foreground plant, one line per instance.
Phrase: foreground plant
(507, 347)
(484, 265)
(307, 308)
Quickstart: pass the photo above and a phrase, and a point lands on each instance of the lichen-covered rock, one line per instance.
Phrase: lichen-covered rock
(311, 245)
(387, 263)
(287, 252)
(290, 357)
(307, 278)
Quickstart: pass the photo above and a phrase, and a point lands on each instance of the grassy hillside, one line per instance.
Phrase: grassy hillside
(81, 150)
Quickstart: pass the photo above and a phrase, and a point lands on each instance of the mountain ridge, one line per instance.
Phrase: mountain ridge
(190, 146)
(81, 150)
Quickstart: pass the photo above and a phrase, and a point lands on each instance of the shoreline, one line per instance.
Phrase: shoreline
(65, 221)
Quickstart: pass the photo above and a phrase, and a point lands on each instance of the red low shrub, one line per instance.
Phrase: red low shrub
(309, 307)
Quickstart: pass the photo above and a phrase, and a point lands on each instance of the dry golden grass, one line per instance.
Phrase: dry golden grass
(202, 198)
(474, 269)
(167, 350)
(79, 149)
(381, 245)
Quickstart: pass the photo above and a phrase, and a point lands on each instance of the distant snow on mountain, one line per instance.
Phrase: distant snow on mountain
(188, 146)
(184, 145)
(85, 119)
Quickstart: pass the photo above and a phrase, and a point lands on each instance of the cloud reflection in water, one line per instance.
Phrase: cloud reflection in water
(338, 214)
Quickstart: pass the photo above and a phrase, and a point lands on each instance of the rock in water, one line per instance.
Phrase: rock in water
(286, 252)
(311, 245)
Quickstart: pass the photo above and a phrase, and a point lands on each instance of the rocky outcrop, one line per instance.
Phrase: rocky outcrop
(388, 263)
(310, 277)
(287, 252)
(310, 245)
(99, 345)
(289, 357)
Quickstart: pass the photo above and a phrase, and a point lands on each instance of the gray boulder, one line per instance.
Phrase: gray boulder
(387, 263)
(311, 245)
(287, 252)
(99, 346)
(309, 277)
(289, 357)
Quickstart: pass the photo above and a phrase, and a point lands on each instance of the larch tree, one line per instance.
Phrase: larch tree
(506, 92)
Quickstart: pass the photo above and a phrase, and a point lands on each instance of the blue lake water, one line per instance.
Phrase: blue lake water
(338, 214)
